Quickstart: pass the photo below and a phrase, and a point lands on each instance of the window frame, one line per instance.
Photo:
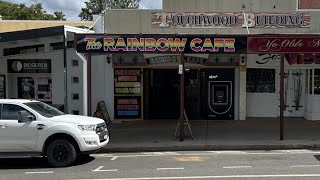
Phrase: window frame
(3, 105)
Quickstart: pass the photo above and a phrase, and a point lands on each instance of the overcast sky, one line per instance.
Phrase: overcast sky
(72, 8)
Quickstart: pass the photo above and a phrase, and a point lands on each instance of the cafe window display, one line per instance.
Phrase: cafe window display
(260, 80)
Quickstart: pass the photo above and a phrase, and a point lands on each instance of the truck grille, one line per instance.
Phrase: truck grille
(101, 127)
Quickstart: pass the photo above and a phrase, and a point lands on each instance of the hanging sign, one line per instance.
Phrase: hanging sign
(230, 20)
(290, 44)
(160, 44)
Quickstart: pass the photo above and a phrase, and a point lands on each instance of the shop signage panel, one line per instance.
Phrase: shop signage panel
(283, 45)
(230, 20)
(29, 66)
(160, 44)
(175, 59)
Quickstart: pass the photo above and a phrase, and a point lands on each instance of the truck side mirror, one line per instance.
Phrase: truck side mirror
(24, 116)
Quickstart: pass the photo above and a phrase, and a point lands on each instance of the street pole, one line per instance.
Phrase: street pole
(281, 96)
(89, 84)
(182, 97)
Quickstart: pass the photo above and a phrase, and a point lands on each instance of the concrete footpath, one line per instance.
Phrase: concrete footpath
(251, 134)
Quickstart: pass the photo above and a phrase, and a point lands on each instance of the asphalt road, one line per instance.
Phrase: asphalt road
(282, 164)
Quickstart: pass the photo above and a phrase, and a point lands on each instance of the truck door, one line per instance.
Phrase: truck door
(15, 136)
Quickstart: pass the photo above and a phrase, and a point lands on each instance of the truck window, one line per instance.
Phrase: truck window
(0, 110)
(10, 111)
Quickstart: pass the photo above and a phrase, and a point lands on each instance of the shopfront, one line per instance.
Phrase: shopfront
(301, 76)
(30, 79)
(147, 69)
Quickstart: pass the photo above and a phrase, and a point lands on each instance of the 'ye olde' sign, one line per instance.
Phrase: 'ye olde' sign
(283, 45)
(230, 20)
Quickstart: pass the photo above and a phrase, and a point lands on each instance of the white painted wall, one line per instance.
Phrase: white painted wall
(102, 83)
(267, 104)
(57, 71)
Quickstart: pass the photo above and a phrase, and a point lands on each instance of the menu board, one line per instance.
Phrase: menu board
(2, 87)
(127, 81)
(128, 93)
(127, 107)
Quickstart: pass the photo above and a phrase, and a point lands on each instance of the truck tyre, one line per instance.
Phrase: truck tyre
(61, 153)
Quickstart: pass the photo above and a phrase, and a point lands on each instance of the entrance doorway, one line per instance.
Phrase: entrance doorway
(162, 94)
(26, 88)
(37, 87)
(295, 87)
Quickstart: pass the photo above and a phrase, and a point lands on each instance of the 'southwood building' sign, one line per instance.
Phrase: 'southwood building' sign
(230, 20)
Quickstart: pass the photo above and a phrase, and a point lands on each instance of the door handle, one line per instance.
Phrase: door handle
(41, 126)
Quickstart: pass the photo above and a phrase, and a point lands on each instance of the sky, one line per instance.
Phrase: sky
(72, 8)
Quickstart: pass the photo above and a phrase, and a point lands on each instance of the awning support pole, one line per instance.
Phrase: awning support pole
(182, 98)
(281, 96)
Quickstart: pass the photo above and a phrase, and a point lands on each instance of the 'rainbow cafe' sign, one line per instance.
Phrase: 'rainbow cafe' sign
(162, 44)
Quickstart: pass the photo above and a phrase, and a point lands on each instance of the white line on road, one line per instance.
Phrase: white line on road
(234, 167)
(40, 172)
(213, 177)
(159, 169)
(305, 166)
(114, 158)
(99, 169)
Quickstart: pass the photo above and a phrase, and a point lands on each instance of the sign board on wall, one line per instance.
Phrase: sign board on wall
(128, 93)
(230, 20)
(160, 44)
(308, 4)
(29, 66)
(283, 44)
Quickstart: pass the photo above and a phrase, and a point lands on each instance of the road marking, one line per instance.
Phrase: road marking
(305, 166)
(99, 169)
(210, 153)
(213, 177)
(40, 172)
(159, 169)
(234, 167)
(114, 158)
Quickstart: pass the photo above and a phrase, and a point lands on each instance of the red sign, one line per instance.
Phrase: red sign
(291, 44)
(308, 4)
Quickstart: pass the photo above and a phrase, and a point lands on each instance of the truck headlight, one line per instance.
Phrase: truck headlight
(87, 127)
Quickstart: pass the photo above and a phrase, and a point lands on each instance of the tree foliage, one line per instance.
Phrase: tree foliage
(12, 11)
(97, 6)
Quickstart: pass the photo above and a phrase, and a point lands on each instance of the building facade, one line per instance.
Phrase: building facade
(42, 64)
(223, 80)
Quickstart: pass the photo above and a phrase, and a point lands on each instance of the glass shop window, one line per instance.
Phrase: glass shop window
(261, 81)
(317, 81)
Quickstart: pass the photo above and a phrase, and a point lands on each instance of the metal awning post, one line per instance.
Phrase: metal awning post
(281, 96)
(89, 84)
(65, 70)
(181, 71)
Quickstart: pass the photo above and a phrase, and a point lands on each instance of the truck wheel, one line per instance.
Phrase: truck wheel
(61, 153)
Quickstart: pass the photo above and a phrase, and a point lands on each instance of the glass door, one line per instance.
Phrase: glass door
(26, 88)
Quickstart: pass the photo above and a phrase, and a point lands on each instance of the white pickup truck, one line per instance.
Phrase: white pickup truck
(33, 128)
